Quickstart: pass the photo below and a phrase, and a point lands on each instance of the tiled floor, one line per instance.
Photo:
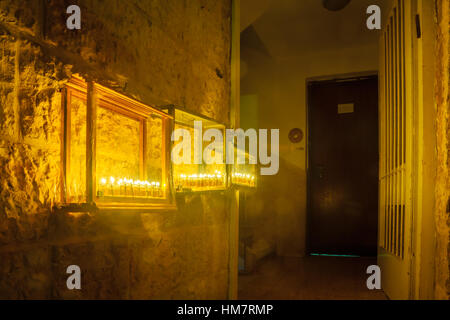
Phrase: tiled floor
(323, 278)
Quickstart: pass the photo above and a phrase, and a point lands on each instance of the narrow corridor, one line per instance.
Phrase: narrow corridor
(322, 278)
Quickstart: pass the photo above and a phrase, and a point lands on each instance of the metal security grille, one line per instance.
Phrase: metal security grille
(396, 74)
(394, 140)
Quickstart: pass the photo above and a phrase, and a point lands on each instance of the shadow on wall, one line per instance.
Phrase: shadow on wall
(277, 211)
(121, 256)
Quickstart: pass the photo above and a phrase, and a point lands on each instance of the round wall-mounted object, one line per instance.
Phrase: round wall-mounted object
(335, 5)
(296, 135)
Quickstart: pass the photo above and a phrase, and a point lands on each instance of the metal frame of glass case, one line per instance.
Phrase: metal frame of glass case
(89, 145)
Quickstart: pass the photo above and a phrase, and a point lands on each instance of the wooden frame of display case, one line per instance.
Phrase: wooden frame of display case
(171, 109)
(96, 96)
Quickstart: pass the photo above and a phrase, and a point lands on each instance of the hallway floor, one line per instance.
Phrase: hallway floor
(321, 278)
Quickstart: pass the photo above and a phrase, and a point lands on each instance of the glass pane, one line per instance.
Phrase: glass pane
(185, 175)
(197, 177)
(243, 174)
(76, 177)
(118, 155)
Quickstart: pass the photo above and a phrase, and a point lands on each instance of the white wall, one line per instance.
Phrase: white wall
(282, 198)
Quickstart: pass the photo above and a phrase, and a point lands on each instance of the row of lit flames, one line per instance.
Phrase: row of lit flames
(213, 180)
(243, 178)
(201, 180)
(129, 187)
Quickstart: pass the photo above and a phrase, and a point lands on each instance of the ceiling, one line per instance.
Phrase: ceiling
(291, 27)
(251, 10)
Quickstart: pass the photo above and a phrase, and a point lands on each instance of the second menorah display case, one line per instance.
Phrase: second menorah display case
(195, 173)
(198, 175)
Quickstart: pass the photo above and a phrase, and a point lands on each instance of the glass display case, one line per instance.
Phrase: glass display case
(116, 150)
(245, 174)
(194, 175)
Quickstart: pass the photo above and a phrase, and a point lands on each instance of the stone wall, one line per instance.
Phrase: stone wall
(442, 84)
(158, 51)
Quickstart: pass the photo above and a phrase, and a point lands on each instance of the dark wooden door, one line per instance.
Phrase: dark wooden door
(343, 167)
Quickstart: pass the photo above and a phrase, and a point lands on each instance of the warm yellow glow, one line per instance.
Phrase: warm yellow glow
(202, 180)
(243, 179)
(124, 187)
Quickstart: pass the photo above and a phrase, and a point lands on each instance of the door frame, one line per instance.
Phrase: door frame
(425, 160)
(233, 197)
(356, 76)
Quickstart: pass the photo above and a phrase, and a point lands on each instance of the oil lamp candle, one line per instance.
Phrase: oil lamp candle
(111, 184)
(194, 180)
(153, 184)
(120, 184)
(102, 187)
(116, 187)
(136, 188)
(125, 183)
(219, 179)
(210, 180)
(204, 180)
(131, 187)
(146, 183)
(154, 189)
(189, 181)
(158, 188)
(139, 188)
(143, 190)
(183, 181)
